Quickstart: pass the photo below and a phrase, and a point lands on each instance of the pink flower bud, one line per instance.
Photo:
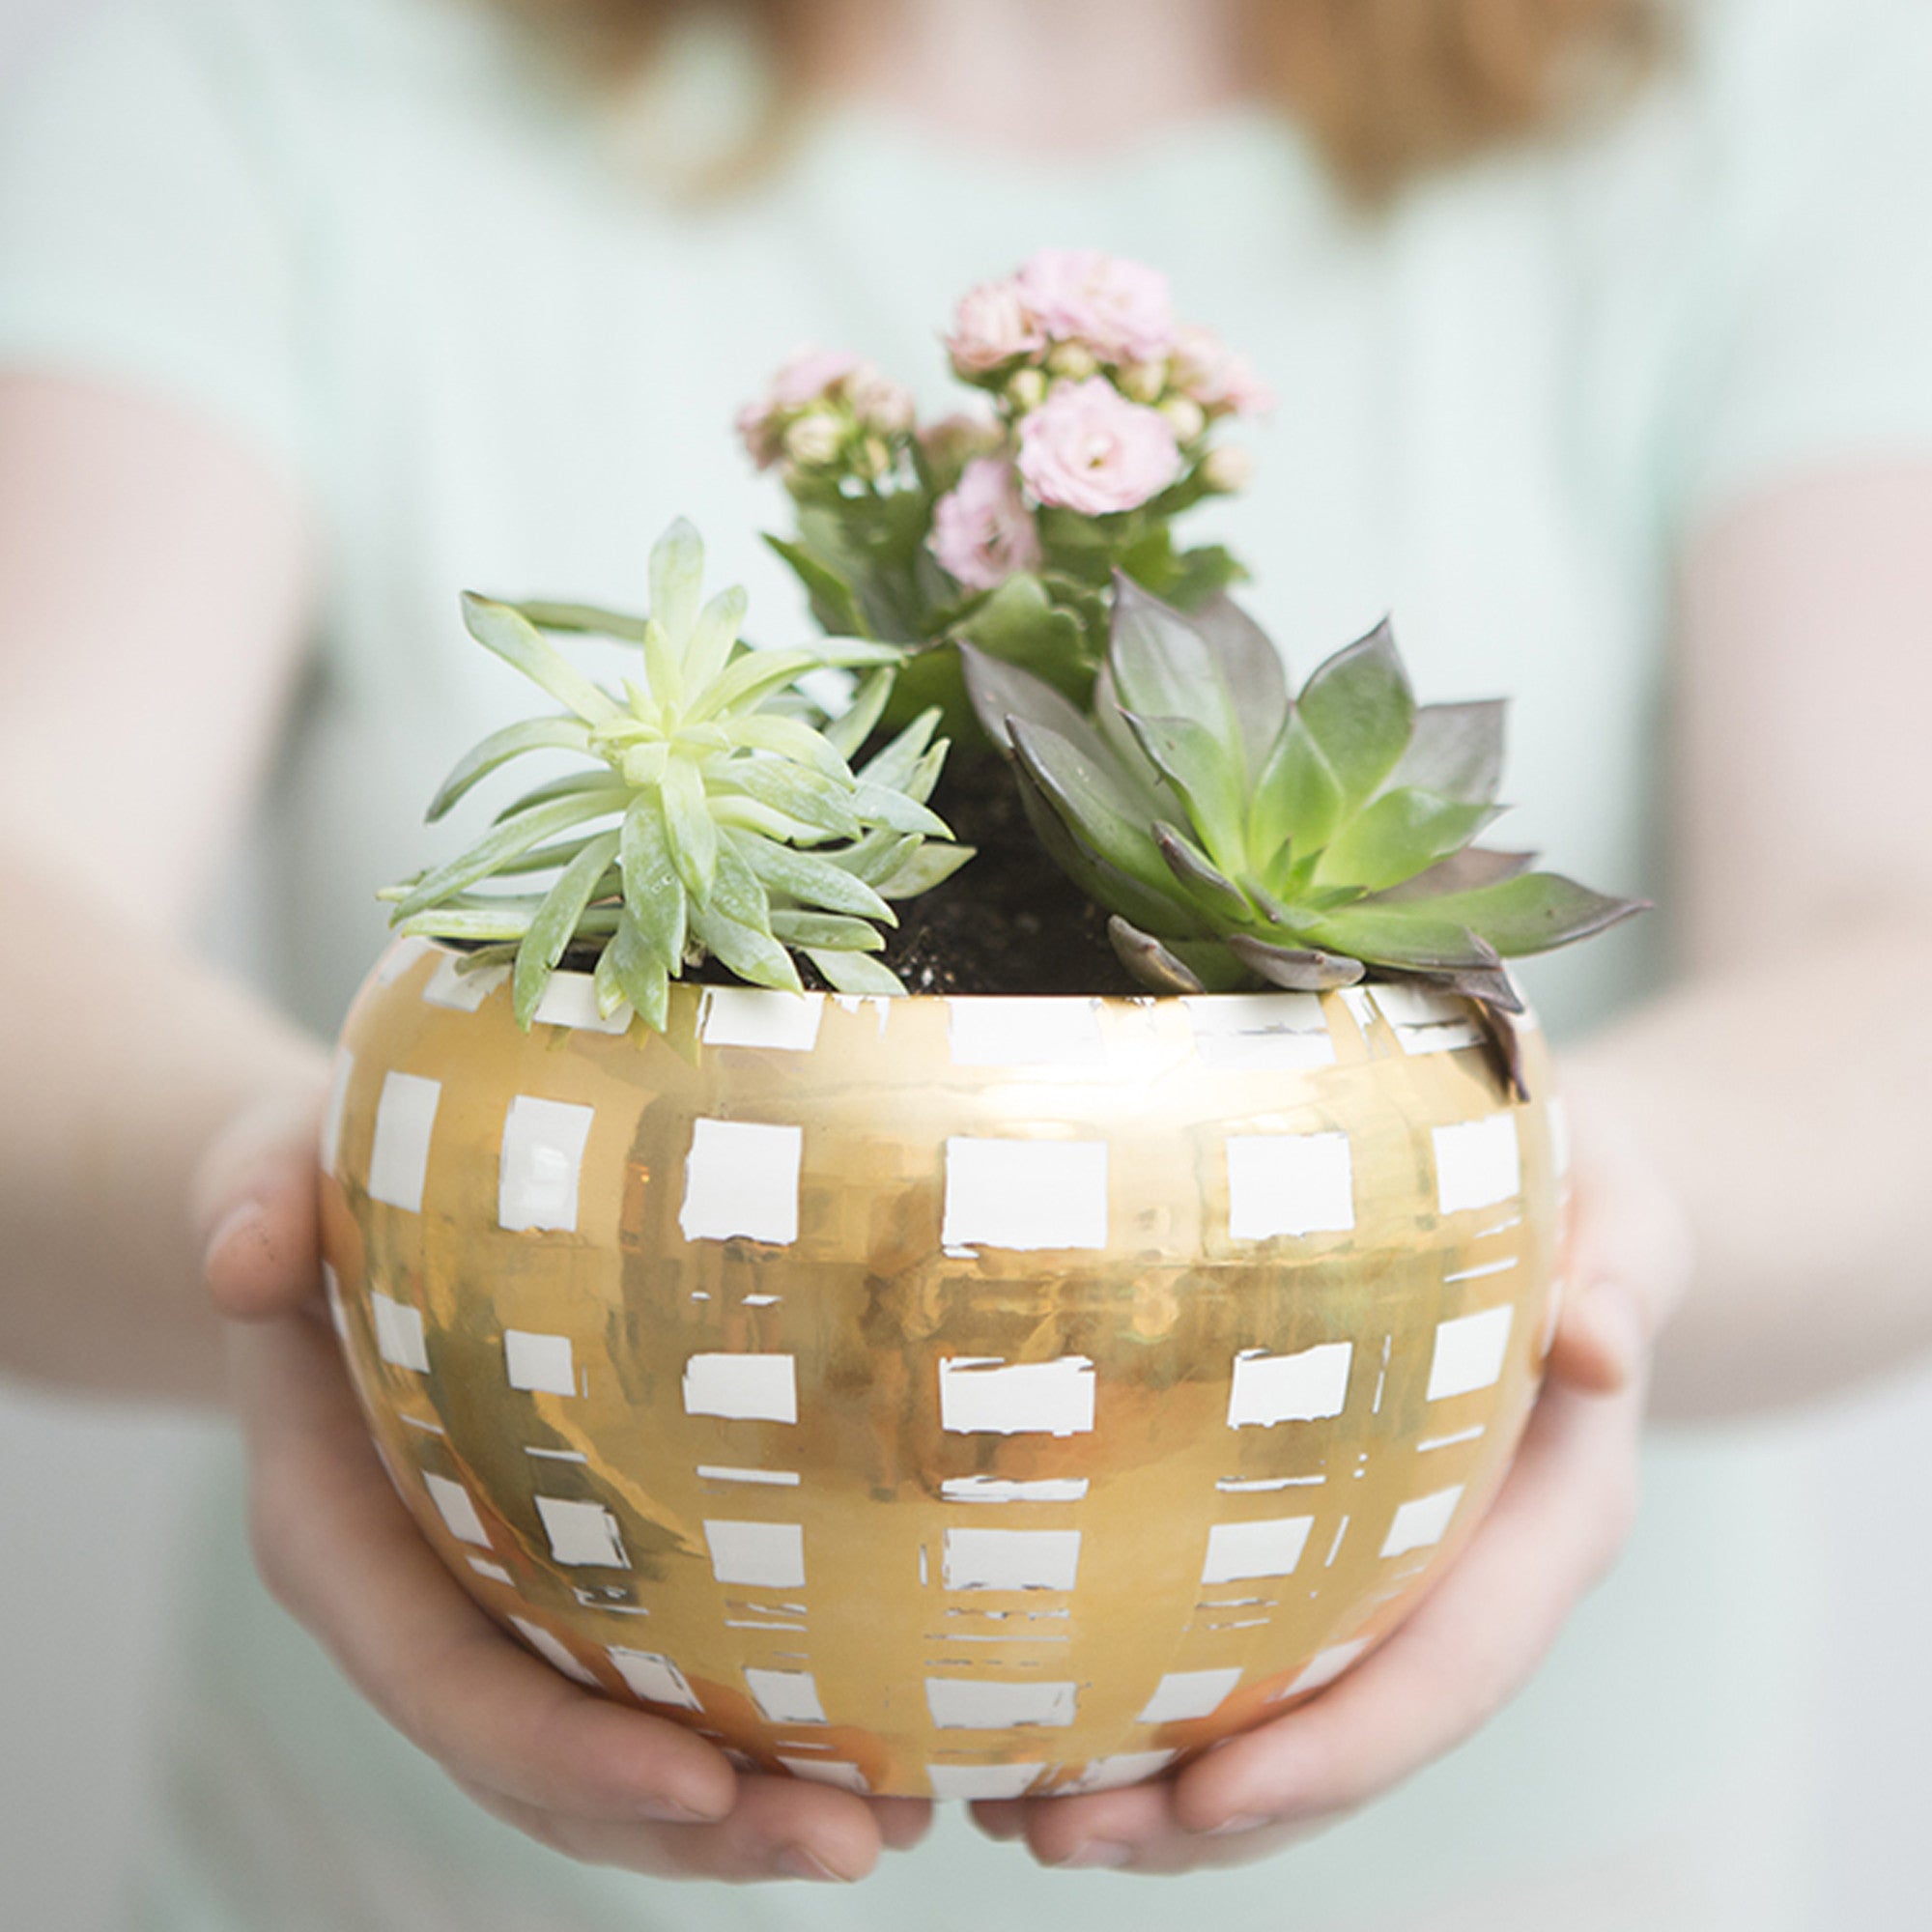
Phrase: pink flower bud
(1223, 382)
(993, 325)
(1088, 449)
(1120, 310)
(982, 532)
(1228, 469)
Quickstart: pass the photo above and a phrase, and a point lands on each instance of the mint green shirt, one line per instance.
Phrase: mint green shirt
(369, 239)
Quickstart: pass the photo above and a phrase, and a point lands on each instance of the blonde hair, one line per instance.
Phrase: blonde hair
(1388, 89)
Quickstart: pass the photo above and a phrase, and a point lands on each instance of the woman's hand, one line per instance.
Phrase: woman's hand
(1556, 1527)
(589, 1777)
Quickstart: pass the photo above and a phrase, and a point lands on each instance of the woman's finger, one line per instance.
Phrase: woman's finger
(256, 1209)
(339, 1548)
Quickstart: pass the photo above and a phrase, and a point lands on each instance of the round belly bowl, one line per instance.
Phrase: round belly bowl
(944, 1397)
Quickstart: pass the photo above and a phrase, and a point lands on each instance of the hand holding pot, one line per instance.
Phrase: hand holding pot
(1556, 1527)
(575, 1772)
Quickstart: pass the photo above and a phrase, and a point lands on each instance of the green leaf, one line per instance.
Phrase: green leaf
(1001, 689)
(556, 925)
(894, 763)
(1359, 709)
(1296, 804)
(855, 972)
(1295, 969)
(577, 785)
(755, 956)
(1455, 749)
(677, 579)
(800, 794)
(587, 619)
(793, 739)
(654, 896)
(1020, 624)
(1251, 666)
(811, 880)
(850, 729)
(1150, 962)
(1205, 770)
(532, 734)
(1164, 665)
(825, 929)
(1217, 896)
(643, 974)
(713, 635)
(512, 636)
(1088, 799)
(1461, 872)
(1402, 833)
(833, 603)
(736, 892)
(1534, 913)
(1400, 936)
(754, 675)
(933, 864)
(1200, 575)
(506, 840)
(876, 855)
(878, 805)
(689, 826)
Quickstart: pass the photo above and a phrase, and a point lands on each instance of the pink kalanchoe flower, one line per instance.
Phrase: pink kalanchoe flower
(1088, 449)
(992, 327)
(809, 374)
(1205, 370)
(1118, 309)
(759, 431)
(982, 532)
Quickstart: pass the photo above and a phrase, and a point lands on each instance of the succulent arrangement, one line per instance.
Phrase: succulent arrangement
(712, 822)
(1019, 570)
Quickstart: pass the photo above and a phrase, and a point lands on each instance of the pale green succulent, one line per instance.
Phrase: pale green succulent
(714, 819)
(1240, 838)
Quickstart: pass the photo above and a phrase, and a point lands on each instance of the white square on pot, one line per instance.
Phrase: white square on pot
(756, 1016)
(981, 1781)
(453, 1504)
(399, 1159)
(990, 1704)
(539, 1362)
(1326, 1667)
(1271, 1548)
(827, 1770)
(1289, 1185)
(1109, 1774)
(542, 1161)
(1307, 1387)
(741, 1181)
(653, 1678)
(1469, 1352)
(554, 1651)
(581, 1533)
(1012, 1559)
(1421, 1524)
(1477, 1164)
(339, 1077)
(1025, 1194)
(786, 1697)
(1183, 1695)
(743, 1388)
(984, 1395)
(399, 1333)
(767, 1555)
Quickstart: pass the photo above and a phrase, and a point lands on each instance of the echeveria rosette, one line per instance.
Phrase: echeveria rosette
(712, 820)
(1239, 837)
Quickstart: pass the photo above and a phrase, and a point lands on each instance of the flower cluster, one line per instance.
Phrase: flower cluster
(828, 410)
(1099, 428)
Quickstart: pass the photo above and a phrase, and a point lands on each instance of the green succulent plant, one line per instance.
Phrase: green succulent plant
(714, 819)
(1239, 837)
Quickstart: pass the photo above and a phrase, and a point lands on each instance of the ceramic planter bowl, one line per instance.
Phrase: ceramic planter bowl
(954, 1396)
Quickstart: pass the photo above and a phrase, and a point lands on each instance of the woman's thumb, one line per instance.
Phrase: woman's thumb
(255, 1208)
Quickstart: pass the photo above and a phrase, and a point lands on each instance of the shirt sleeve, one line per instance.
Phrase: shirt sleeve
(1817, 343)
(145, 237)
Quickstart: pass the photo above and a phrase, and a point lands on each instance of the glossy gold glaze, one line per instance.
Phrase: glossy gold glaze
(713, 1357)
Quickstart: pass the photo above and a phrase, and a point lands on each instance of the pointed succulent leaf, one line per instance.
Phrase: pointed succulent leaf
(678, 579)
(504, 630)
(555, 924)
(605, 984)
(800, 794)
(855, 972)
(1296, 804)
(642, 971)
(1087, 798)
(811, 880)
(1359, 709)
(1461, 872)
(654, 892)
(1295, 969)
(832, 931)
(1021, 624)
(833, 600)
(1533, 913)
(1455, 749)
(713, 635)
(894, 765)
(1402, 833)
(1409, 936)
(755, 956)
(1117, 735)
(794, 738)
(1209, 889)
(1203, 770)
(592, 784)
(736, 891)
(532, 734)
(896, 810)
(1490, 985)
(933, 864)
(1159, 908)
(755, 675)
(506, 840)
(591, 620)
(1149, 962)
(876, 855)
(857, 723)
(689, 826)
(1001, 689)
(1254, 670)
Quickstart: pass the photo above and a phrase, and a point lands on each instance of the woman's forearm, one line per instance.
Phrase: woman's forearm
(1791, 1108)
(124, 1057)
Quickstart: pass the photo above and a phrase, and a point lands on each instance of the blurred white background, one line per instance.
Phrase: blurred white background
(91, 1501)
